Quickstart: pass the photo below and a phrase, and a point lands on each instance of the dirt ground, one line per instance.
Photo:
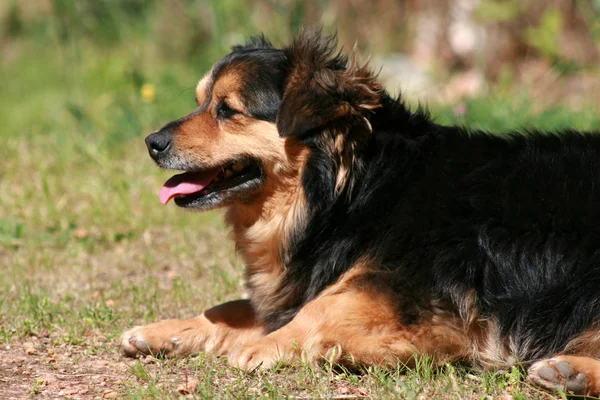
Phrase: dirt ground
(38, 369)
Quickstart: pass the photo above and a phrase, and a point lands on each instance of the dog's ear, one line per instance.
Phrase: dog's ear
(323, 88)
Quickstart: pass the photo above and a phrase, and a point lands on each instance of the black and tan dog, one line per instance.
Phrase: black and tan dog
(371, 235)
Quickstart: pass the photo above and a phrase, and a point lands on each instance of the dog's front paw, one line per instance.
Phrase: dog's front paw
(143, 340)
(266, 353)
(163, 339)
(132, 343)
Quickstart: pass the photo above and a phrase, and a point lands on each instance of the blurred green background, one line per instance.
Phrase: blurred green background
(80, 66)
(82, 82)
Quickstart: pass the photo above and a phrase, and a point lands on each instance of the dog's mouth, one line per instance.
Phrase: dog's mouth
(213, 187)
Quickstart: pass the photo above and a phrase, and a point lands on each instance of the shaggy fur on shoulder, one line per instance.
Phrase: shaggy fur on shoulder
(371, 234)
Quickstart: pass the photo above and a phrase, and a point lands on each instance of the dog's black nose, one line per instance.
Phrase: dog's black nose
(159, 143)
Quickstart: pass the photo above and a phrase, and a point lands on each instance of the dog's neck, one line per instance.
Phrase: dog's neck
(263, 230)
(266, 228)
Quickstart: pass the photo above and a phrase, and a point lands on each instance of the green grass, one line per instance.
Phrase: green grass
(87, 251)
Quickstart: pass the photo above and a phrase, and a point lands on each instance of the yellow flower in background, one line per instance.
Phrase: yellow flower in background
(148, 92)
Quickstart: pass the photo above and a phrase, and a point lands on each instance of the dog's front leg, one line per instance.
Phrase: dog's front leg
(219, 330)
(353, 327)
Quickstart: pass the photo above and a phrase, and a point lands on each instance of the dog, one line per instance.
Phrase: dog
(372, 235)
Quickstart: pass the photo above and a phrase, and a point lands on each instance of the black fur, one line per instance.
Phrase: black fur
(263, 66)
(514, 218)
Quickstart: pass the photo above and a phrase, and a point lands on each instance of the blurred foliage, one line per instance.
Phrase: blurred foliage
(97, 19)
(545, 36)
(109, 70)
(177, 28)
(13, 23)
(496, 10)
(180, 28)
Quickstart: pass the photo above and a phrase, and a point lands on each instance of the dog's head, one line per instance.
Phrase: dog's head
(261, 110)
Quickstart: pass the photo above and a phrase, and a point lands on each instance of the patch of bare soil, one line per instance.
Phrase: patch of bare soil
(37, 368)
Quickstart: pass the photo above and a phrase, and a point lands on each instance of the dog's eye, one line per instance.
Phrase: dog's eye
(224, 111)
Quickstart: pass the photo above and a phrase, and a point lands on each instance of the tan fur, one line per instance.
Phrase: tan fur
(487, 348)
(354, 322)
(261, 225)
(219, 330)
(344, 165)
(490, 350)
(362, 79)
(588, 366)
(227, 87)
(263, 228)
(586, 344)
(348, 164)
(202, 88)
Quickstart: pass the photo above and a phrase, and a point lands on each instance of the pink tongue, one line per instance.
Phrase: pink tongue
(186, 183)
